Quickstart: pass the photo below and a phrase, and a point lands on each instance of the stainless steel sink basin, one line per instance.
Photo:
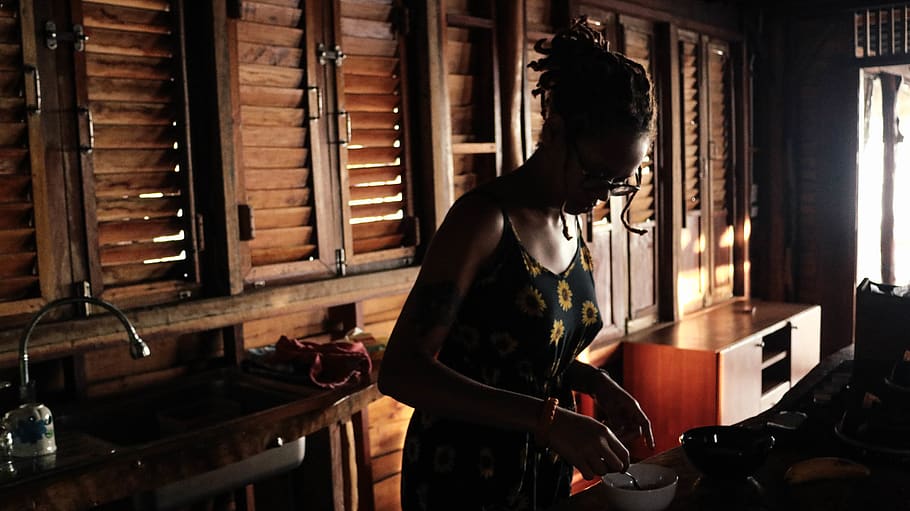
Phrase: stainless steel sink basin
(273, 461)
(158, 413)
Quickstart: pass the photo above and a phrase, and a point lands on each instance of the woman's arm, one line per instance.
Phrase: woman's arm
(410, 371)
(622, 412)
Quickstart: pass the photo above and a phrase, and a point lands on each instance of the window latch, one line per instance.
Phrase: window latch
(325, 54)
(341, 263)
(52, 37)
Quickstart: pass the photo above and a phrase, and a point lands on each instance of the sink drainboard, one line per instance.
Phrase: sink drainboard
(271, 462)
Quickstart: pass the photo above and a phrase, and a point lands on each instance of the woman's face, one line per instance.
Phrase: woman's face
(596, 164)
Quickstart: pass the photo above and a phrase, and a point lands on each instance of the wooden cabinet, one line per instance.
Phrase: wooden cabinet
(719, 366)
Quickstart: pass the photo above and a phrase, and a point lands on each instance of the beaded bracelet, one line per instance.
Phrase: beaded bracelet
(545, 422)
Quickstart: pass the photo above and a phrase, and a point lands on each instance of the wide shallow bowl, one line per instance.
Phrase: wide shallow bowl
(726, 451)
(658, 486)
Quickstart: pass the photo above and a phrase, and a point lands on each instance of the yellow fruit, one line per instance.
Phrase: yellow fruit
(815, 469)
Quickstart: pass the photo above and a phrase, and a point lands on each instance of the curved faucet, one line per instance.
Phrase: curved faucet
(138, 347)
(29, 429)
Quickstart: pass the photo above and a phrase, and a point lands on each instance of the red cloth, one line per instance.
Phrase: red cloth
(328, 365)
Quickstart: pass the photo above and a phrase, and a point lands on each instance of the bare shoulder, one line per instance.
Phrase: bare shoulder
(469, 234)
(475, 218)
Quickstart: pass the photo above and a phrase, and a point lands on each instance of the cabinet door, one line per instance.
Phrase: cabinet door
(739, 381)
(805, 339)
(675, 387)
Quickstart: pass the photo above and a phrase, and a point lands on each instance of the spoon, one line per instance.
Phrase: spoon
(634, 481)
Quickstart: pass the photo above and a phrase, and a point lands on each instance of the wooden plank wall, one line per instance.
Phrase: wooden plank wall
(388, 419)
(806, 173)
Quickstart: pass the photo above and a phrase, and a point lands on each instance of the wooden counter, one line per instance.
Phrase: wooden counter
(719, 366)
(86, 472)
(885, 489)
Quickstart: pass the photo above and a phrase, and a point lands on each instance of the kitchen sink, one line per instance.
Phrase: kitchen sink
(273, 461)
(190, 404)
(185, 406)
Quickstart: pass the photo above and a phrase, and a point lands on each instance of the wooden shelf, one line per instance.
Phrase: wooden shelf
(773, 357)
(474, 148)
(740, 358)
(466, 21)
(772, 392)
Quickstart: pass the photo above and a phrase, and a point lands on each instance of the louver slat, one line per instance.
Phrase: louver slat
(143, 202)
(376, 168)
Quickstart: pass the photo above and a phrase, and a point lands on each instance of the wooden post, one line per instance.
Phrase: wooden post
(510, 43)
(669, 165)
(337, 467)
(361, 424)
(890, 85)
(342, 318)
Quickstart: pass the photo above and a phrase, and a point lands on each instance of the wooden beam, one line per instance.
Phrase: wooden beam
(511, 44)
(227, 106)
(681, 14)
(69, 337)
(890, 85)
(669, 164)
(742, 168)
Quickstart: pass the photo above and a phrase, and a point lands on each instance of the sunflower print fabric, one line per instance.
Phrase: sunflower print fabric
(519, 328)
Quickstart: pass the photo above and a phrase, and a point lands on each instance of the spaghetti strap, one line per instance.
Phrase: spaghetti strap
(507, 222)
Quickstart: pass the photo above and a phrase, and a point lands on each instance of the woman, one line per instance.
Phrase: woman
(485, 346)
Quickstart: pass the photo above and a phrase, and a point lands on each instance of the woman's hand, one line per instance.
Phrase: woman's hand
(587, 444)
(622, 412)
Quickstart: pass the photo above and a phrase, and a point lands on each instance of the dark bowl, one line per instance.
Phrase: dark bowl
(728, 452)
(900, 374)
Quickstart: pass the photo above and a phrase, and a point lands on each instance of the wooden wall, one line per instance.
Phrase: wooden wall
(806, 116)
(803, 246)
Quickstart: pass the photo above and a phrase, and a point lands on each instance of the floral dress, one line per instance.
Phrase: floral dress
(518, 328)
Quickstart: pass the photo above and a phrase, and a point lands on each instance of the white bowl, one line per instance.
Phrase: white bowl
(658, 488)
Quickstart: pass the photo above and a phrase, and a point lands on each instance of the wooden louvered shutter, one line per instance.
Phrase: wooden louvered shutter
(473, 83)
(379, 221)
(276, 129)
(691, 103)
(692, 274)
(720, 167)
(606, 23)
(22, 203)
(139, 195)
(638, 40)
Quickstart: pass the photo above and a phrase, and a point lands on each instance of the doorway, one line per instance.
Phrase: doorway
(883, 187)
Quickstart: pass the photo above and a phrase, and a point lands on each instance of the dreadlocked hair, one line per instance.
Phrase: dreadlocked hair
(590, 86)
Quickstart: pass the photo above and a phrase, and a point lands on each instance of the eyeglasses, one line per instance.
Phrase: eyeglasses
(617, 188)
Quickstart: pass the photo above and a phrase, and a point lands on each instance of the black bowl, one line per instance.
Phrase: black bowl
(728, 452)
(900, 374)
